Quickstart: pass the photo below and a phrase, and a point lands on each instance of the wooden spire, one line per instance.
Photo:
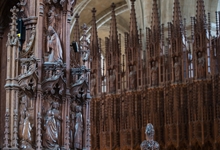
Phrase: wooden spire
(200, 12)
(177, 18)
(113, 38)
(133, 33)
(155, 22)
(94, 46)
(76, 29)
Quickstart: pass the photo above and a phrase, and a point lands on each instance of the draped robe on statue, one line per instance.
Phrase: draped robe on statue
(50, 136)
(78, 130)
(54, 46)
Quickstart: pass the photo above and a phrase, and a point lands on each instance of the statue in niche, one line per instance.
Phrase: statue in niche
(58, 119)
(53, 41)
(78, 136)
(54, 46)
(154, 74)
(112, 79)
(26, 137)
(93, 83)
(23, 108)
(72, 125)
(25, 126)
(132, 77)
(201, 66)
(149, 143)
(50, 136)
(176, 70)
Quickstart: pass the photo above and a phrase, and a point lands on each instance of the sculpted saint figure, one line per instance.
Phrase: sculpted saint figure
(176, 69)
(57, 117)
(78, 129)
(112, 81)
(154, 75)
(26, 133)
(54, 46)
(72, 125)
(201, 66)
(132, 77)
(149, 143)
(93, 83)
(50, 136)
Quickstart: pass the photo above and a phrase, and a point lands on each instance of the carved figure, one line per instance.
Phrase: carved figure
(154, 74)
(50, 136)
(112, 81)
(132, 77)
(78, 129)
(26, 133)
(72, 125)
(23, 105)
(93, 83)
(176, 70)
(54, 46)
(57, 116)
(201, 66)
(149, 143)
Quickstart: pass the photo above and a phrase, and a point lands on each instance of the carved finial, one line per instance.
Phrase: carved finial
(85, 52)
(6, 136)
(155, 15)
(12, 36)
(113, 37)
(76, 29)
(177, 18)
(38, 141)
(133, 33)
(200, 12)
(15, 130)
(94, 45)
(113, 6)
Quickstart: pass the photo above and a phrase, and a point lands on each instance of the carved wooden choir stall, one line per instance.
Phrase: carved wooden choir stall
(172, 83)
(47, 91)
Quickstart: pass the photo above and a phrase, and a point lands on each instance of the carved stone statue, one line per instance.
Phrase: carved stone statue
(149, 143)
(78, 136)
(72, 125)
(154, 74)
(50, 136)
(201, 66)
(54, 46)
(132, 77)
(93, 83)
(26, 139)
(57, 117)
(176, 70)
(112, 81)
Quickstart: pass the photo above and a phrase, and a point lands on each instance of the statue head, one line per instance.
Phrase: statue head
(199, 54)
(55, 105)
(153, 63)
(175, 59)
(149, 132)
(78, 108)
(51, 30)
